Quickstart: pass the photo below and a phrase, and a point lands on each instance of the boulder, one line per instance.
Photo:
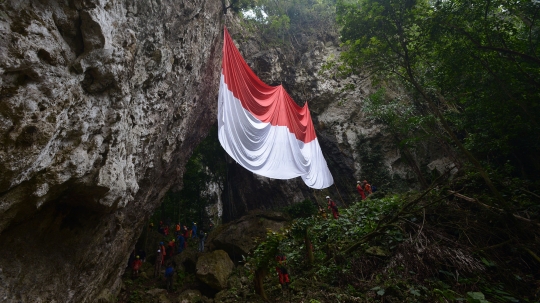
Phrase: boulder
(214, 268)
(163, 299)
(156, 291)
(190, 296)
(187, 260)
(237, 238)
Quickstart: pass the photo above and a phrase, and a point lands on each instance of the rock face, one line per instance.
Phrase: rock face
(354, 146)
(238, 237)
(101, 104)
(214, 268)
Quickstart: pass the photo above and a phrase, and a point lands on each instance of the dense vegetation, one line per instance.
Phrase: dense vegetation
(430, 246)
(469, 75)
(288, 21)
(471, 69)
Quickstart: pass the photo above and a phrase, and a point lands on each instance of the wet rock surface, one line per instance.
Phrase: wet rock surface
(101, 104)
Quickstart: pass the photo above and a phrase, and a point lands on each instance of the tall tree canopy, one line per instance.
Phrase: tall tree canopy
(474, 64)
(286, 20)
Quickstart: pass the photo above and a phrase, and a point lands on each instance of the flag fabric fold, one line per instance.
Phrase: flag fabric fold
(263, 129)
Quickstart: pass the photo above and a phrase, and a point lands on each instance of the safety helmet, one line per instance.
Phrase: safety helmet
(357, 182)
(160, 243)
(327, 197)
(137, 257)
(159, 250)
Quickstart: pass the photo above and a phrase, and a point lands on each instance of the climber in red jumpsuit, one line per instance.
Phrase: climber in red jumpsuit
(283, 274)
(360, 190)
(137, 263)
(333, 207)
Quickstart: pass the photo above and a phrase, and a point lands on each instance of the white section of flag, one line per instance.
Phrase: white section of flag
(267, 150)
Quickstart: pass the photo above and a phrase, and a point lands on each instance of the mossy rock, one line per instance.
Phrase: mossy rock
(214, 269)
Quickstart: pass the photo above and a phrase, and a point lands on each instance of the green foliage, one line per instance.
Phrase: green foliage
(264, 255)
(476, 297)
(476, 62)
(239, 5)
(287, 20)
(302, 209)
(326, 235)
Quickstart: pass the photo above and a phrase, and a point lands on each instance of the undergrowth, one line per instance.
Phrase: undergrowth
(431, 246)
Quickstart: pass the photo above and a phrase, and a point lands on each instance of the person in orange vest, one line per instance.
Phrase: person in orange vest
(360, 190)
(137, 263)
(367, 188)
(177, 229)
(333, 207)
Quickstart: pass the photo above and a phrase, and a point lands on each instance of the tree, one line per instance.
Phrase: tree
(287, 20)
(452, 56)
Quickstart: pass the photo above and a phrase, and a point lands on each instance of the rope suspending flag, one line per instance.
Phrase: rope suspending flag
(263, 129)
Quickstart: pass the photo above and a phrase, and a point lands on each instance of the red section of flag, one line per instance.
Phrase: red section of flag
(267, 103)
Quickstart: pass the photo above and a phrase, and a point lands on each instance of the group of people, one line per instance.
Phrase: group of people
(166, 250)
(363, 188)
(182, 234)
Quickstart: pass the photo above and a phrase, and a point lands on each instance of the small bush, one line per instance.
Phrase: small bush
(303, 209)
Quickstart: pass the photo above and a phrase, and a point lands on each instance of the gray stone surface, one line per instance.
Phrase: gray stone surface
(238, 238)
(346, 134)
(214, 269)
(101, 104)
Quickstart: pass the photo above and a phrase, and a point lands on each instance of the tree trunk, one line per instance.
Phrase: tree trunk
(309, 250)
(412, 163)
(258, 279)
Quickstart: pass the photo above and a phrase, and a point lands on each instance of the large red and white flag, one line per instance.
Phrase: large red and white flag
(263, 129)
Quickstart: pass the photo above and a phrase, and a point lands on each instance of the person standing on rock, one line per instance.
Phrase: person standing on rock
(166, 230)
(360, 190)
(333, 207)
(367, 188)
(137, 263)
(202, 238)
(181, 242)
(172, 245)
(163, 251)
(283, 274)
(177, 229)
(159, 262)
(169, 273)
(194, 230)
(186, 236)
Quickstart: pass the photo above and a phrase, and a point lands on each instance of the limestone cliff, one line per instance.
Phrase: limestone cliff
(355, 146)
(101, 104)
